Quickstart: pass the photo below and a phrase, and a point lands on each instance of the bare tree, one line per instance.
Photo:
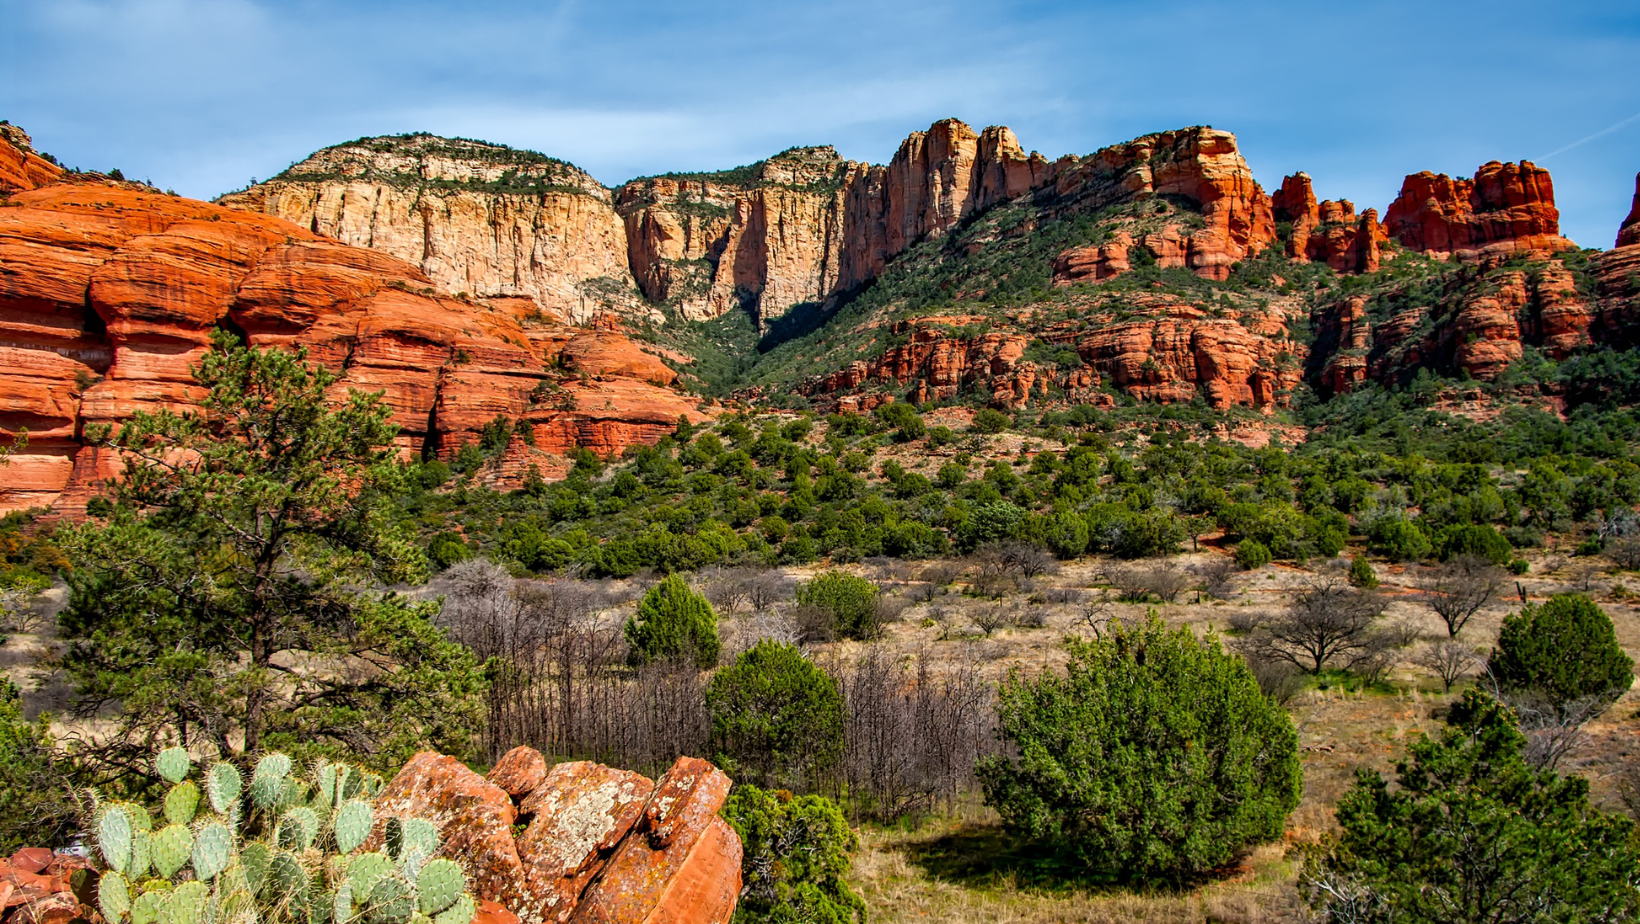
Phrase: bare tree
(1625, 552)
(1139, 581)
(1328, 624)
(993, 617)
(1448, 660)
(1217, 577)
(1278, 678)
(1015, 557)
(767, 589)
(1461, 588)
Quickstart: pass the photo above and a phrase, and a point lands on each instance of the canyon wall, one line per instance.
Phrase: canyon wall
(110, 292)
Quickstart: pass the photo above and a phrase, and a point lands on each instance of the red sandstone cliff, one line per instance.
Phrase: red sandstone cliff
(109, 293)
(1629, 233)
(1504, 209)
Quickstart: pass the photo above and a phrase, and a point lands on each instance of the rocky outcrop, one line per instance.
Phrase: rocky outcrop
(39, 887)
(110, 293)
(1327, 232)
(20, 167)
(1629, 233)
(481, 219)
(1175, 352)
(598, 844)
(763, 238)
(1506, 208)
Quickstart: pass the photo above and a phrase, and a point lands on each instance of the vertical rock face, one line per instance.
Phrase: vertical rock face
(481, 219)
(20, 167)
(1505, 208)
(1629, 233)
(1327, 232)
(600, 845)
(765, 238)
(109, 293)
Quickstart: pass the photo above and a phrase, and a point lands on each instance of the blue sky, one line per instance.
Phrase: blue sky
(203, 95)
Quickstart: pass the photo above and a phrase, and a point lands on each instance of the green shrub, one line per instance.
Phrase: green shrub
(1560, 653)
(990, 522)
(673, 622)
(447, 548)
(1362, 575)
(1472, 539)
(851, 601)
(989, 420)
(1472, 833)
(795, 860)
(1155, 757)
(1399, 540)
(1518, 566)
(36, 796)
(776, 717)
(1251, 554)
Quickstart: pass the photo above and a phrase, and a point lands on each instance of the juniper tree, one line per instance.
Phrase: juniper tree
(226, 590)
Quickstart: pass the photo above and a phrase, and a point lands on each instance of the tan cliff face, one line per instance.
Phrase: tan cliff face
(478, 219)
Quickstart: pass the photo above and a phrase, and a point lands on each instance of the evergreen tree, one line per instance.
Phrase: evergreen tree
(223, 595)
(1471, 833)
(674, 622)
(776, 717)
(1561, 653)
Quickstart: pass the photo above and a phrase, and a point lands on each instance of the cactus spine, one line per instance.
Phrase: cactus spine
(284, 849)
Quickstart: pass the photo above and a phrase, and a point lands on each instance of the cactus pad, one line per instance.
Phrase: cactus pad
(297, 829)
(287, 883)
(341, 904)
(181, 803)
(421, 836)
(114, 838)
(213, 846)
(223, 786)
(172, 846)
(392, 900)
(325, 777)
(268, 781)
(186, 904)
(142, 853)
(441, 882)
(352, 825)
(363, 872)
(459, 913)
(253, 861)
(173, 765)
(145, 909)
(113, 896)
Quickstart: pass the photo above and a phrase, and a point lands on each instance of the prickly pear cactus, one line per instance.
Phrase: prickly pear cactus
(283, 849)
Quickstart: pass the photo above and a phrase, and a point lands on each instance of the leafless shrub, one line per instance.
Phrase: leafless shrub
(891, 608)
(1278, 678)
(1097, 615)
(1064, 595)
(1448, 660)
(996, 616)
(814, 624)
(1461, 588)
(913, 730)
(1625, 552)
(769, 588)
(1137, 582)
(1552, 728)
(1217, 577)
(562, 684)
(1328, 624)
(992, 584)
(743, 634)
(1242, 622)
(941, 573)
(728, 588)
(1015, 557)
(20, 611)
(946, 620)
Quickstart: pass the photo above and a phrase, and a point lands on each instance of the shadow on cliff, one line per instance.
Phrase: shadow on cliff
(800, 320)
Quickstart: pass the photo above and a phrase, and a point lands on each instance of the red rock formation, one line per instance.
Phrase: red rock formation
(109, 293)
(36, 888)
(20, 167)
(1328, 232)
(601, 845)
(1629, 232)
(1094, 263)
(1174, 354)
(1504, 209)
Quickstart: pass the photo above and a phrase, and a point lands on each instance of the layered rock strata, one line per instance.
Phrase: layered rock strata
(598, 845)
(480, 219)
(1506, 208)
(1328, 231)
(110, 293)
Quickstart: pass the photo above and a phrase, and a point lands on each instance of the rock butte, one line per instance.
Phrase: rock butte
(109, 292)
